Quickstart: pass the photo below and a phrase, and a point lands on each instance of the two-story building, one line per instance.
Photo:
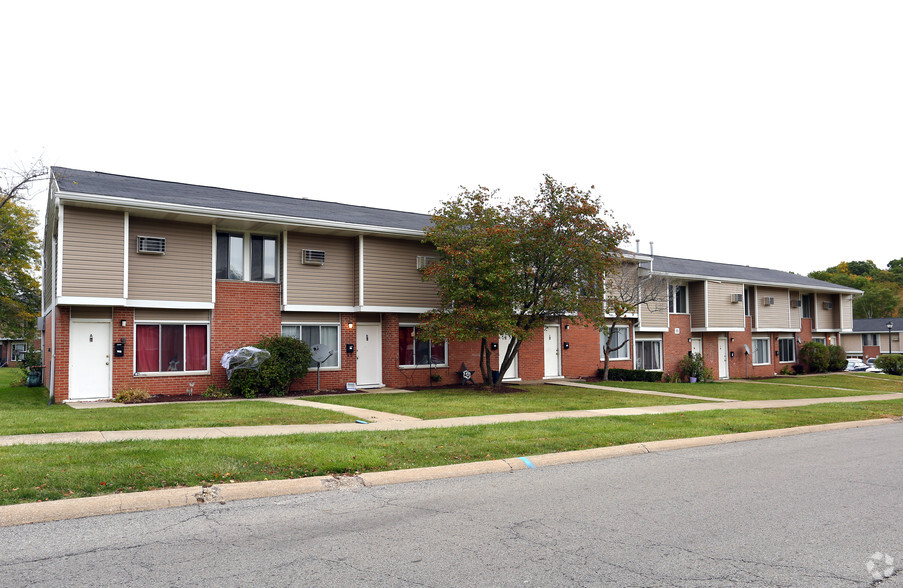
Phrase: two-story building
(873, 337)
(147, 283)
(745, 321)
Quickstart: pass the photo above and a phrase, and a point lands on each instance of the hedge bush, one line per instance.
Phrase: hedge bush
(814, 357)
(837, 358)
(891, 364)
(622, 375)
(288, 361)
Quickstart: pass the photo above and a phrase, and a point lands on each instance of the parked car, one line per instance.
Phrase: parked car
(855, 365)
(871, 366)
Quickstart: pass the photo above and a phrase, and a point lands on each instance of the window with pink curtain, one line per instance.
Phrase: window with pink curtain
(405, 345)
(195, 347)
(147, 348)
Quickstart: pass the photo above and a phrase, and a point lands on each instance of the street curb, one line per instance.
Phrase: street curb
(73, 508)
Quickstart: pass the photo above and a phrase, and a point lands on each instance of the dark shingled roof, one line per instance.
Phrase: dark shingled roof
(877, 325)
(743, 273)
(103, 184)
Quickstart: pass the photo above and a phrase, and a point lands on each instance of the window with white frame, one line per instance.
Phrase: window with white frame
(806, 304)
(233, 248)
(18, 352)
(821, 340)
(870, 339)
(786, 350)
(327, 335)
(677, 299)
(648, 354)
(620, 343)
(761, 351)
(416, 352)
(171, 347)
(748, 296)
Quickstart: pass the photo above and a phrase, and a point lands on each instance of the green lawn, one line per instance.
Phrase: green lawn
(455, 402)
(823, 386)
(31, 473)
(24, 410)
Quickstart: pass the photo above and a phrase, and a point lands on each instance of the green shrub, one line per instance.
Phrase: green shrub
(30, 358)
(621, 375)
(288, 361)
(131, 396)
(837, 358)
(891, 364)
(693, 366)
(815, 357)
(213, 392)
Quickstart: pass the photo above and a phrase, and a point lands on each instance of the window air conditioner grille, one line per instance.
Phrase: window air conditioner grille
(827, 305)
(795, 303)
(424, 261)
(313, 257)
(736, 298)
(156, 245)
(768, 300)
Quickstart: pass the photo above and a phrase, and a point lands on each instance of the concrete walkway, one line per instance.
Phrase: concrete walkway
(381, 421)
(633, 391)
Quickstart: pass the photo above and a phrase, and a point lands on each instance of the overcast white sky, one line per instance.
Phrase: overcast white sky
(766, 133)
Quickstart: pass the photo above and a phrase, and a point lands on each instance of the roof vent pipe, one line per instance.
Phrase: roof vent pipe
(650, 248)
(637, 245)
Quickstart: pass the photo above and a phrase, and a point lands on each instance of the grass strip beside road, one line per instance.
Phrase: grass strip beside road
(34, 473)
(458, 402)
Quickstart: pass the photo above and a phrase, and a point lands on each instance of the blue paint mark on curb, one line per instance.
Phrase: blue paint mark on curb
(362, 422)
(528, 462)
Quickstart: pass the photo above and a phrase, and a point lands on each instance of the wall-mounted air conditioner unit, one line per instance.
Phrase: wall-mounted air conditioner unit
(827, 305)
(768, 300)
(736, 298)
(425, 260)
(313, 257)
(155, 245)
(795, 303)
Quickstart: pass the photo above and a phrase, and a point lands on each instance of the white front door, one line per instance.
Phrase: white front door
(552, 351)
(369, 355)
(90, 348)
(696, 345)
(723, 359)
(504, 342)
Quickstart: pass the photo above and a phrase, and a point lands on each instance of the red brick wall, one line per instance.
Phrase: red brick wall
(675, 345)
(583, 357)
(869, 351)
(61, 361)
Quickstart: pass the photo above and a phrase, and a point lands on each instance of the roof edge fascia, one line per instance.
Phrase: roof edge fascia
(839, 290)
(133, 203)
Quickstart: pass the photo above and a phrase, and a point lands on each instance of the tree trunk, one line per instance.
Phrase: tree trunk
(505, 362)
(485, 362)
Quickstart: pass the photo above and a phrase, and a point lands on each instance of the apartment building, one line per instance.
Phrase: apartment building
(147, 283)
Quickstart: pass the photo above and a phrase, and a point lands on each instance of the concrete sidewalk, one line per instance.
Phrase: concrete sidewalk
(381, 421)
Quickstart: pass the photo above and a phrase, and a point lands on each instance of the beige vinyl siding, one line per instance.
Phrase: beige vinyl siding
(654, 315)
(724, 314)
(183, 273)
(391, 277)
(851, 343)
(776, 316)
(846, 311)
(796, 314)
(332, 283)
(91, 312)
(172, 314)
(92, 254)
(825, 319)
(696, 304)
(48, 271)
(310, 317)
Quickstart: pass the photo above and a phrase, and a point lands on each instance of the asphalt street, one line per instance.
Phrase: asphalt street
(806, 510)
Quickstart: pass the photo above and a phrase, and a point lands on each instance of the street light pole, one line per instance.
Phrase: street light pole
(890, 343)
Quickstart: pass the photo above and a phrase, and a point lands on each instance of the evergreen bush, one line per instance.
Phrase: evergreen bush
(288, 361)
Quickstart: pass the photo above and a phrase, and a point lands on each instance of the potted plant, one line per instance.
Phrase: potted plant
(692, 367)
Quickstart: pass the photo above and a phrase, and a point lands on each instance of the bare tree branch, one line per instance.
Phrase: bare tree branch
(15, 182)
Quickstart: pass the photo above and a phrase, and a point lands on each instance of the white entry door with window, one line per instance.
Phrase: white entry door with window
(369, 355)
(723, 359)
(90, 348)
(512, 373)
(552, 351)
